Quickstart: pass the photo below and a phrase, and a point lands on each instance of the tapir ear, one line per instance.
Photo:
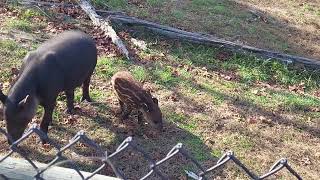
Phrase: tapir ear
(24, 102)
(49, 55)
(3, 98)
(26, 58)
(155, 100)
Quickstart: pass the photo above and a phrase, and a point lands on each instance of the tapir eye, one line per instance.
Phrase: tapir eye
(145, 107)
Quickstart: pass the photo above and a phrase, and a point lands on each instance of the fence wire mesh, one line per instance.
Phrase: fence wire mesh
(128, 143)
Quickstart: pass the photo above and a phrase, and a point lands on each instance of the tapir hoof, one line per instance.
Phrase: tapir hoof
(72, 111)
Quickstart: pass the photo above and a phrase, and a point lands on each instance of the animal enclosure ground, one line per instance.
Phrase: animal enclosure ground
(212, 101)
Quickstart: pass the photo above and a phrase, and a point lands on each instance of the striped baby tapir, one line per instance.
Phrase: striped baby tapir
(132, 96)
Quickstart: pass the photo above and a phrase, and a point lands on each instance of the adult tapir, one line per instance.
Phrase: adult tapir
(60, 64)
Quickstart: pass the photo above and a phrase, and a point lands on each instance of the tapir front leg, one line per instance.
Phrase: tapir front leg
(125, 110)
(70, 101)
(47, 118)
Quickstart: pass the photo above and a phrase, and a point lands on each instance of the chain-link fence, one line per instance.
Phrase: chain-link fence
(106, 158)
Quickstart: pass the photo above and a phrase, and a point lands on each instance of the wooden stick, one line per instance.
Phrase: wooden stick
(105, 26)
(211, 40)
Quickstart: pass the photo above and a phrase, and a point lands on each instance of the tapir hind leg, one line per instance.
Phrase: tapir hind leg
(85, 90)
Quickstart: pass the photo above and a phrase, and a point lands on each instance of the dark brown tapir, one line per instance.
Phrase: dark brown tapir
(61, 64)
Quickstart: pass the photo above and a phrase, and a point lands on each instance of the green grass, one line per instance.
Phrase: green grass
(19, 24)
(11, 54)
(220, 9)
(250, 69)
(215, 92)
(140, 73)
(25, 21)
(198, 4)
(8, 46)
(164, 76)
(239, 143)
(95, 94)
(106, 67)
(295, 102)
(117, 4)
(178, 15)
(216, 153)
(197, 149)
(154, 3)
(28, 14)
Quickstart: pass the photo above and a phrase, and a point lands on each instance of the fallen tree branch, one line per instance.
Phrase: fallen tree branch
(105, 26)
(211, 40)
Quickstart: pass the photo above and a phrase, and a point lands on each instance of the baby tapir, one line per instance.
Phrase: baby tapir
(132, 96)
(60, 64)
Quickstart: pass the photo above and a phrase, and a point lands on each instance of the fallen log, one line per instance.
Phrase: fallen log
(211, 40)
(104, 24)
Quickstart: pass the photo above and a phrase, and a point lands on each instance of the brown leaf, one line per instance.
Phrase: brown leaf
(70, 120)
(14, 71)
(81, 145)
(315, 109)
(174, 97)
(223, 56)
(46, 146)
(297, 88)
(252, 120)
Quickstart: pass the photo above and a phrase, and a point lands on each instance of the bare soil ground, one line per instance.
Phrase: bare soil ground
(209, 108)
